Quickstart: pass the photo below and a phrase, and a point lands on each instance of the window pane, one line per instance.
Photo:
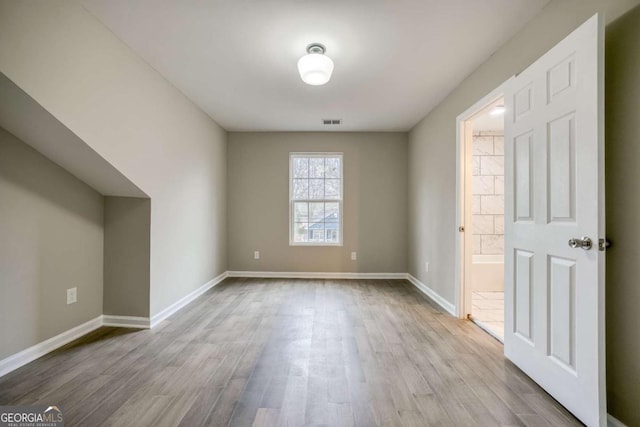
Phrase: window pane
(300, 212)
(316, 212)
(316, 189)
(316, 233)
(332, 212)
(300, 189)
(332, 233)
(316, 197)
(332, 169)
(300, 232)
(316, 167)
(300, 167)
(332, 189)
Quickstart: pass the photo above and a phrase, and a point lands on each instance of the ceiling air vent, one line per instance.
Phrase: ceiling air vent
(331, 121)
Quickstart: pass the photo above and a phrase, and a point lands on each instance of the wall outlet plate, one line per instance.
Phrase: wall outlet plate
(256, 255)
(354, 256)
(426, 266)
(72, 295)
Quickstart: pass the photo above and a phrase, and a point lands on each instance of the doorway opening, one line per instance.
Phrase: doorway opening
(481, 209)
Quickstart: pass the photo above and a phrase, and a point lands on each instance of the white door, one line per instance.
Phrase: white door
(554, 192)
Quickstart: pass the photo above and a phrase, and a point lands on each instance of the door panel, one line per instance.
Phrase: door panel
(562, 321)
(562, 169)
(561, 78)
(523, 165)
(554, 192)
(523, 286)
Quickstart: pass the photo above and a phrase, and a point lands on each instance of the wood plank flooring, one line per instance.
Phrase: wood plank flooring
(256, 352)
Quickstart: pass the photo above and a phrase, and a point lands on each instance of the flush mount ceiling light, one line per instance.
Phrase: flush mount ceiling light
(315, 67)
(498, 110)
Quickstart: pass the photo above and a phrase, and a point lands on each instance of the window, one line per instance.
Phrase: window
(315, 199)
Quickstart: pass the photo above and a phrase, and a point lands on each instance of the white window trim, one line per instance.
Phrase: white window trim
(340, 201)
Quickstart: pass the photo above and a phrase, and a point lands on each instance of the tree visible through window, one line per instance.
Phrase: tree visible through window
(315, 198)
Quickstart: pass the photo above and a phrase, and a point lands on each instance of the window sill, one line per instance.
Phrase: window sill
(316, 244)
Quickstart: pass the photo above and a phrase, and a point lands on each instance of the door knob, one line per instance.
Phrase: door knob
(584, 243)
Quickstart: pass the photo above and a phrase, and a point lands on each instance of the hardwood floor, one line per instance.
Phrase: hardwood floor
(290, 352)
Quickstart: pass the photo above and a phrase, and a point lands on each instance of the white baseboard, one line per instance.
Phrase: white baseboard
(25, 356)
(314, 275)
(125, 321)
(446, 305)
(15, 361)
(30, 354)
(613, 422)
(186, 300)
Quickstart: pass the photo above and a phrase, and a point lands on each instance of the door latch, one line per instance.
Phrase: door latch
(603, 244)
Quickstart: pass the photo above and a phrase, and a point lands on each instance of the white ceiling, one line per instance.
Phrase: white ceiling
(236, 59)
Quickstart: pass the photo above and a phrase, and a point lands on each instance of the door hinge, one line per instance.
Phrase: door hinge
(461, 229)
(603, 244)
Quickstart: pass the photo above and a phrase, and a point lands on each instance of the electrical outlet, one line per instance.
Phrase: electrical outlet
(426, 266)
(354, 256)
(256, 255)
(72, 295)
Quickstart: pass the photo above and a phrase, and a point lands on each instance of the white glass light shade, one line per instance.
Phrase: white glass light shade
(315, 68)
(498, 110)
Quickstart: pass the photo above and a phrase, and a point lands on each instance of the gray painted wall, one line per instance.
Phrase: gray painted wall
(622, 108)
(375, 202)
(127, 233)
(176, 154)
(51, 239)
(131, 116)
(432, 160)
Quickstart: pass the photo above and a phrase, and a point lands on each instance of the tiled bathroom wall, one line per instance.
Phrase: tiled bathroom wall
(488, 193)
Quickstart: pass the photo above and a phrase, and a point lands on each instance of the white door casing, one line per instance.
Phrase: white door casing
(554, 191)
(464, 185)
